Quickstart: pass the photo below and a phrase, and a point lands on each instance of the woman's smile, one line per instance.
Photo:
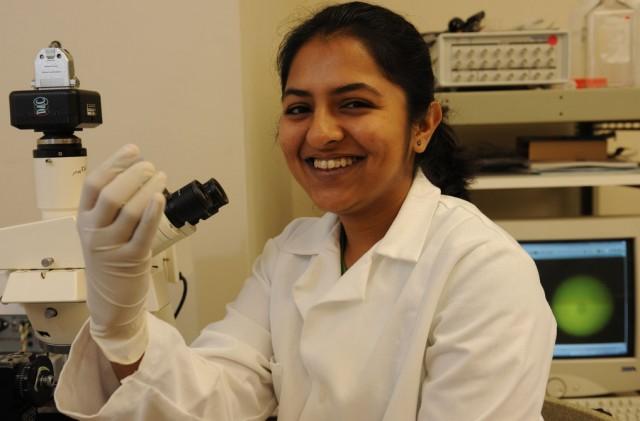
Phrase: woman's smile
(333, 163)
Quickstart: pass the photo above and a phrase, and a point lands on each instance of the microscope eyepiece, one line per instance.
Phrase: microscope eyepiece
(194, 202)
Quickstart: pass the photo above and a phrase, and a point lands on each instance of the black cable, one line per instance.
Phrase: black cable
(184, 294)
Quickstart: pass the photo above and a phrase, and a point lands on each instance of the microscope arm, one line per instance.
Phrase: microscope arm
(47, 276)
(42, 245)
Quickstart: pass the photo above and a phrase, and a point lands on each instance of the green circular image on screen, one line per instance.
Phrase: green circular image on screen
(582, 305)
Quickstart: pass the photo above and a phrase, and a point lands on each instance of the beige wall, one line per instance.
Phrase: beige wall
(268, 181)
(434, 15)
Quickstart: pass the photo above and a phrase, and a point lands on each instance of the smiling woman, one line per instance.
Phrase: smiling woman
(357, 90)
(338, 106)
(402, 57)
(403, 302)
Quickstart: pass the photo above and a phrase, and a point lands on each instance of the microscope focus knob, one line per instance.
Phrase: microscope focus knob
(34, 377)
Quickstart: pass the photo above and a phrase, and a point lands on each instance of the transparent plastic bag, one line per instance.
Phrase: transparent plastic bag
(610, 39)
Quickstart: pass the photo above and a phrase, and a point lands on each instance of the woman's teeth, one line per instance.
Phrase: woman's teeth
(330, 164)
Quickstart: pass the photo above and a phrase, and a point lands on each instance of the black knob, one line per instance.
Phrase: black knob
(34, 379)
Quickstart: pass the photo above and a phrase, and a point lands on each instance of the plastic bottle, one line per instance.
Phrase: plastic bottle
(611, 43)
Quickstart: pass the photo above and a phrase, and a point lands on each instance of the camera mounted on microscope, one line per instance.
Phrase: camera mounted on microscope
(56, 106)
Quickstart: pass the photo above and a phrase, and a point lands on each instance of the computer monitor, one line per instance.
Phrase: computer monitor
(590, 270)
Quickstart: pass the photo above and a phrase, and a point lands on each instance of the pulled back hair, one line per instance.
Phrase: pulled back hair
(403, 57)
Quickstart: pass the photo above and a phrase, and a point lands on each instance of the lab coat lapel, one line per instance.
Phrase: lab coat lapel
(322, 283)
(351, 286)
(321, 274)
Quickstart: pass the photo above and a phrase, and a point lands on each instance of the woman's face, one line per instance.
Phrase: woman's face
(344, 129)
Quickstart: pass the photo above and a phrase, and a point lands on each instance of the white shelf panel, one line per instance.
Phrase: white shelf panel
(558, 179)
(532, 106)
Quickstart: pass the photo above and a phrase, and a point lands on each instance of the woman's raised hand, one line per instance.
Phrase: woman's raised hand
(118, 215)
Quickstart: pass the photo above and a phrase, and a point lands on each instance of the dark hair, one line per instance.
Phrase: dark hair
(403, 56)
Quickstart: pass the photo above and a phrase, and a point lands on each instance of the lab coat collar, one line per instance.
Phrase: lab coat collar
(406, 237)
(311, 239)
(404, 240)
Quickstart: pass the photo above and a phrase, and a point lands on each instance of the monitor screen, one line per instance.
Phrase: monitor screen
(588, 284)
(589, 270)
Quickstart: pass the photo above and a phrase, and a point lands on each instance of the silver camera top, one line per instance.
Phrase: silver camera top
(54, 68)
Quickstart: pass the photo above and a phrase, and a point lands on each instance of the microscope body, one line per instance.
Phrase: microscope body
(45, 263)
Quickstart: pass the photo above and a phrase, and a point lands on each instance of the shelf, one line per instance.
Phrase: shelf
(542, 106)
(557, 179)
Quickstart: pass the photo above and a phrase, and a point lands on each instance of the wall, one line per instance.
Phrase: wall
(269, 183)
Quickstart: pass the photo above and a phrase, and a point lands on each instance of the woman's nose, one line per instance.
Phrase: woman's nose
(324, 129)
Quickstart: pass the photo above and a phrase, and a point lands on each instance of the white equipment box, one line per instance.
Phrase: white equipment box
(478, 59)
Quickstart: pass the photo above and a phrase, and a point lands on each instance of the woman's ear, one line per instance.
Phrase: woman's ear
(424, 129)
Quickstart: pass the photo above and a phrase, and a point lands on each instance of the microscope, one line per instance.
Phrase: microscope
(44, 259)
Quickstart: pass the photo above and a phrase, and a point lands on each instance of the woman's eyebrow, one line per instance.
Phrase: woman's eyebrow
(295, 92)
(350, 87)
(356, 87)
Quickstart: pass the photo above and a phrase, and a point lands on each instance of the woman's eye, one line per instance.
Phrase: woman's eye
(296, 110)
(353, 104)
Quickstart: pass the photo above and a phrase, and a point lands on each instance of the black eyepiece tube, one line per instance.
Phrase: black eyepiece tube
(194, 202)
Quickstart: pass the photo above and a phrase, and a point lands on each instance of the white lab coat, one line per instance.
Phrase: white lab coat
(444, 319)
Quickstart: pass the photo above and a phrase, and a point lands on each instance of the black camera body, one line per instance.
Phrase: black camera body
(55, 110)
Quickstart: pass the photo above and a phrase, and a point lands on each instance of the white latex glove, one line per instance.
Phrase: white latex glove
(119, 212)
